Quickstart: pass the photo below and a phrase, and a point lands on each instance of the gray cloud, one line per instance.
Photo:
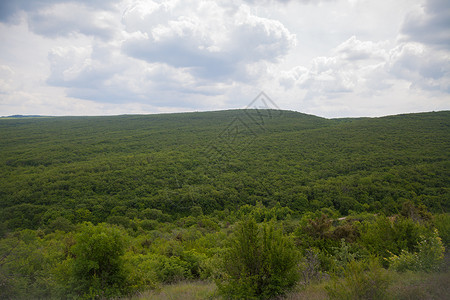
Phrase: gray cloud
(182, 53)
(74, 66)
(424, 67)
(53, 18)
(101, 75)
(216, 48)
(88, 73)
(431, 25)
(9, 8)
(70, 18)
(287, 1)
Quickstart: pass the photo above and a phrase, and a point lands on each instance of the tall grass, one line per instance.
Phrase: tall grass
(180, 291)
(408, 285)
(419, 286)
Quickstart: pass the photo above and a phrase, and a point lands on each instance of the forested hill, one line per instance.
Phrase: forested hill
(92, 168)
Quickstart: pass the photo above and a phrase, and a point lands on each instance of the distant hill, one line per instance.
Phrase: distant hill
(23, 116)
(70, 166)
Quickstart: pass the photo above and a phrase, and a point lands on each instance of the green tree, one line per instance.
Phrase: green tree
(429, 255)
(98, 266)
(260, 263)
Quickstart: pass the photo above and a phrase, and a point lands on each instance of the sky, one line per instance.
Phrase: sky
(330, 58)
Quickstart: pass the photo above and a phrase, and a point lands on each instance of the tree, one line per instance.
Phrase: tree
(97, 266)
(260, 263)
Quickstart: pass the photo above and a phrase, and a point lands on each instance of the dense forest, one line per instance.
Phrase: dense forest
(101, 207)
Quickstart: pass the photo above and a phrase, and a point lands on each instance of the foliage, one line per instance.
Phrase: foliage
(162, 194)
(310, 267)
(97, 264)
(343, 255)
(159, 167)
(386, 236)
(417, 214)
(261, 263)
(442, 224)
(428, 257)
(362, 280)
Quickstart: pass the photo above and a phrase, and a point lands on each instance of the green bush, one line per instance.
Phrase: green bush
(442, 224)
(119, 221)
(343, 255)
(260, 263)
(384, 236)
(148, 224)
(428, 257)
(150, 270)
(362, 280)
(310, 266)
(97, 266)
(171, 269)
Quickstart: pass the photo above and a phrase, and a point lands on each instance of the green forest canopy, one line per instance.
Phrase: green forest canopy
(93, 168)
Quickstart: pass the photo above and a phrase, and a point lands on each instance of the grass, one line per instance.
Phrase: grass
(314, 291)
(423, 286)
(420, 286)
(403, 286)
(186, 290)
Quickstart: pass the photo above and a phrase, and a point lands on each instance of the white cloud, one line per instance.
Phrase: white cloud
(6, 79)
(210, 40)
(105, 75)
(423, 67)
(349, 70)
(181, 57)
(354, 50)
(371, 70)
(331, 58)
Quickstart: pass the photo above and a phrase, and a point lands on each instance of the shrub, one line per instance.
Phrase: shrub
(310, 267)
(149, 224)
(97, 267)
(149, 270)
(428, 257)
(119, 220)
(171, 269)
(343, 255)
(362, 280)
(384, 237)
(260, 263)
(442, 223)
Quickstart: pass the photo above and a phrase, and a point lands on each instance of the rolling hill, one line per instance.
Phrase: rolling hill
(89, 168)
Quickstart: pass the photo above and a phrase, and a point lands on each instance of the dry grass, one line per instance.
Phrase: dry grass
(181, 291)
(421, 286)
(311, 292)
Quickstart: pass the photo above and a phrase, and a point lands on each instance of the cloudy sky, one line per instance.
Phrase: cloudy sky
(332, 58)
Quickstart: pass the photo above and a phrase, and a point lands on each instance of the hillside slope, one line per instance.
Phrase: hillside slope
(84, 168)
